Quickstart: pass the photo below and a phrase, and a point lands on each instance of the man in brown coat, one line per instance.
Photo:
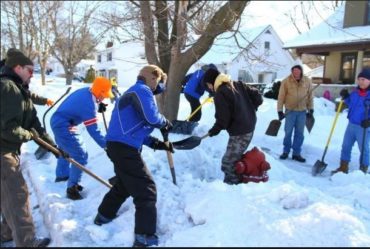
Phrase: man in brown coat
(18, 117)
(295, 94)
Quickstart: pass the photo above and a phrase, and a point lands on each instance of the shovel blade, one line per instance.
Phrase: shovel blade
(183, 127)
(187, 143)
(310, 121)
(318, 167)
(41, 153)
(273, 128)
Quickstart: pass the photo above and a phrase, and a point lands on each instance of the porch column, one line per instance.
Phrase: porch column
(360, 58)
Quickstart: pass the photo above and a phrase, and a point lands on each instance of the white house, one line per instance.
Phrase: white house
(258, 58)
(122, 61)
(80, 70)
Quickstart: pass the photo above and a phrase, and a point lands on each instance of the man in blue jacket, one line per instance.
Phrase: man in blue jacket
(194, 90)
(134, 117)
(79, 107)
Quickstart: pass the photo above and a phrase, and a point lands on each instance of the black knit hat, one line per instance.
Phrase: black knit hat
(210, 76)
(298, 67)
(365, 73)
(15, 57)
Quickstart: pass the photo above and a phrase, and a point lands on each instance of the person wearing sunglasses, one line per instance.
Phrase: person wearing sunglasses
(18, 117)
(36, 99)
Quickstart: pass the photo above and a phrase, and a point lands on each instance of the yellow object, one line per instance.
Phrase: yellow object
(113, 81)
(102, 87)
(335, 121)
(220, 79)
(209, 99)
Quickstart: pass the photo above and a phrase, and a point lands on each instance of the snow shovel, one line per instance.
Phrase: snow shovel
(49, 147)
(320, 166)
(186, 126)
(41, 153)
(169, 157)
(188, 143)
(273, 128)
(310, 121)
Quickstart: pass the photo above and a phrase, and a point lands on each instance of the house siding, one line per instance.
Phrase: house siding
(355, 13)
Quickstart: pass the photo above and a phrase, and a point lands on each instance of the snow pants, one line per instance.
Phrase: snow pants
(354, 133)
(134, 179)
(73, 144)
(294, 120)
(17, 220)
(236, 147)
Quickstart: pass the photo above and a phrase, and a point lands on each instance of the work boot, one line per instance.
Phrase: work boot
(61, 179)
(73, 193)
(342, 168)
(364, 168)
(284, 156)
(100, 220)
(40, 242)
(299, 158)
(143, 240)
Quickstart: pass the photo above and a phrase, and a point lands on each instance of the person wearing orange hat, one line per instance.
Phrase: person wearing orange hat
(79, 107)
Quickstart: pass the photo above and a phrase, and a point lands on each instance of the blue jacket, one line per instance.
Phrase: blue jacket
(356, 106)
(194, 87)
(134, 117)
(79, 107)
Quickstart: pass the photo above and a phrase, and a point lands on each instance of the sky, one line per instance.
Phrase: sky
(292, 209)
(259, 13)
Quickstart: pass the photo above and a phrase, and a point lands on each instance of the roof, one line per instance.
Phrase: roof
(225, 47)
(331, 31)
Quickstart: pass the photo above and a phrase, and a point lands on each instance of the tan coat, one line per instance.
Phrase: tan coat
(296, 96)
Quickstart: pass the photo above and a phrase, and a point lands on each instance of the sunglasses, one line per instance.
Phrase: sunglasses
(30, 70)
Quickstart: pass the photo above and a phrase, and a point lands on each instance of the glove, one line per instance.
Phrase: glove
(159, 145)
(344, 93)
(62, 153)
(213, 131)
(281, 115)
(365, 123)
(49, 102)
(166, 128)
(310, 113)
(102, 107)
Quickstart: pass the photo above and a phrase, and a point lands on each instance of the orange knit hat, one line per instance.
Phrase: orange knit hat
(102, 87)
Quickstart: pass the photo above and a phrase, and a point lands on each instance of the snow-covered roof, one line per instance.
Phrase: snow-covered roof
(331, 31)
(225, 47)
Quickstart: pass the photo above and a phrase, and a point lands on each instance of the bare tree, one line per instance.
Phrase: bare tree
(40, 29)
(73, 36)
(168, 27)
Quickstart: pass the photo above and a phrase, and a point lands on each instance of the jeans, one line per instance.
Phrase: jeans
(355, 133)
(294, 120)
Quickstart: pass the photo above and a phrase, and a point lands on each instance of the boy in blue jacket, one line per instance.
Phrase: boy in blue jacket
(79, 107)
(134, 117)
(194, 90)
(358, 101)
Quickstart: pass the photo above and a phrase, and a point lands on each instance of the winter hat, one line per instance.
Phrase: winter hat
(365, 73)
(101, 87)
(210, 76)
(297, 66)
(152, 75)
(206, 67)
(15, 57)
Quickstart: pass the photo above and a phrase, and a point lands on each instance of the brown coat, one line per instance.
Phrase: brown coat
(296, 96)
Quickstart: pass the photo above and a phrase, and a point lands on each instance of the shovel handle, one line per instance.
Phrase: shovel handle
(71, 160)
(209, 99)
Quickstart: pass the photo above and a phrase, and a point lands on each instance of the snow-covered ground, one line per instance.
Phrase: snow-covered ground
(292, 209)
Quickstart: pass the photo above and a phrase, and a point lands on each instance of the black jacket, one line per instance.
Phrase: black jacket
(236, 108)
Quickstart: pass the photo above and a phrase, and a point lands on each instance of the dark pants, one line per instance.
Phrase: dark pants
(15, 210)
(194, 104)
(133, 179)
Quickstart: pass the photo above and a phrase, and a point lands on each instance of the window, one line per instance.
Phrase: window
(244, 76)
(366, 59)
(260, 78)
(348, 68)
(99, 57)
(267, 45)
(109, 56)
